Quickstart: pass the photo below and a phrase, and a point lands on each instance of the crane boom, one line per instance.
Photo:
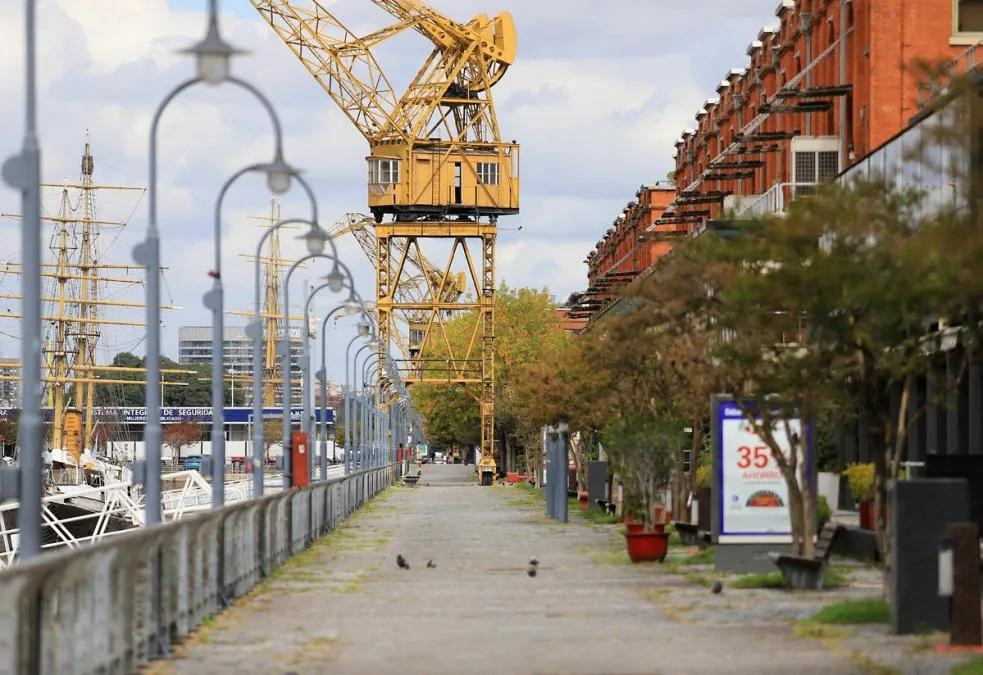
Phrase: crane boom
(438, 167)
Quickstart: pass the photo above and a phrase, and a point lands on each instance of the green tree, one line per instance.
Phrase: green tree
(179, 436)
(527, 330)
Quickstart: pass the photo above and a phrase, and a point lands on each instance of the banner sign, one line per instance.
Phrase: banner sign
(752, 497)
(175, 415)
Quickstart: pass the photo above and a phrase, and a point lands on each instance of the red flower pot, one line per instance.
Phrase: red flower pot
(584, 501)
(647, 546)
(868, 515)
(632, 526)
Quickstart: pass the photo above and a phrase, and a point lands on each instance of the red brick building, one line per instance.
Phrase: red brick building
(822, 86)
(624, 252)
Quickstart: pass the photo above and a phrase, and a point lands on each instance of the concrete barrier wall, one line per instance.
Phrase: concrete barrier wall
(114, 606)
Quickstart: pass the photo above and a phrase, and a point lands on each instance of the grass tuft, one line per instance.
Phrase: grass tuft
(833, 579)
(853, 612)
(974, 667)
(760, 580)
(599, 517)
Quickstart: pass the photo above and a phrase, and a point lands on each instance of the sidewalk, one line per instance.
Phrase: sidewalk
(345, 607)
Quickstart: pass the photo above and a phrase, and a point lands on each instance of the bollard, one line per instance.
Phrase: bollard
(550, 478)
(961, 550)
(562, 472)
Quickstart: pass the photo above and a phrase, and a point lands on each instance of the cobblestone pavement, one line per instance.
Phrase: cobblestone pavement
(344, 606)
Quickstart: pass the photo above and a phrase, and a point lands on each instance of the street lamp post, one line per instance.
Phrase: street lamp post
(213, 56)
(315, 240)
(364, 328)
(356, 408)
(255, 332)
(354, 302)
(23, 172)
(359, 396)
(278, 175)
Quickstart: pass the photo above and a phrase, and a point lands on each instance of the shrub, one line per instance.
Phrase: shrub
(823, 512)
(860, 478)
(702, 478)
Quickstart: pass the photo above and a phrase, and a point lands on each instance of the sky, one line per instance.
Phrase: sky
(597, 97)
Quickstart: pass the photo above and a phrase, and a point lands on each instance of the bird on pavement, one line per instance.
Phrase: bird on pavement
(401, 562)
(534, 562)
(431, 564)
(717, 588)
(531, 571)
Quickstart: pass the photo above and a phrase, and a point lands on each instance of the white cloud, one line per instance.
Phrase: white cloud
(597, 97)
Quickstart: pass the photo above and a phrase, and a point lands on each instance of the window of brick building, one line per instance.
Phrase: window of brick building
(968, 16)
(815, 161)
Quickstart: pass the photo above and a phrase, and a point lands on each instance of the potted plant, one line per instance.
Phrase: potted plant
(860, 479)
(640, 446)
(584, 500)
(634, 512)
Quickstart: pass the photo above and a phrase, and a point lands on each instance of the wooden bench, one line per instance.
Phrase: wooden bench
(807, 573)
(411, 480)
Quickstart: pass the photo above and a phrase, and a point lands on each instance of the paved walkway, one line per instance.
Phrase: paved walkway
(345, 607)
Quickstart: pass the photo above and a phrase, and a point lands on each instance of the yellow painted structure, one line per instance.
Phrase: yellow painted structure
(437, 167)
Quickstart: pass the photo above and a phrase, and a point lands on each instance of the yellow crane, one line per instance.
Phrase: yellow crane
(438, 168)
(412, 288)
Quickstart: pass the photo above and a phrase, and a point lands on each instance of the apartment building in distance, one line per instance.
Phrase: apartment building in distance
(9, 389)
(195, 347)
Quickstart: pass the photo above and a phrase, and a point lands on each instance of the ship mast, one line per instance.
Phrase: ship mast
(88, 334)
(271, 309)
(75, 320)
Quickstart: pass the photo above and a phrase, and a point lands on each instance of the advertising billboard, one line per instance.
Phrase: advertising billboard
(751, 495)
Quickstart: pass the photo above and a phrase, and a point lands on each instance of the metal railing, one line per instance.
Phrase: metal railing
(116, 605)
(775, 200)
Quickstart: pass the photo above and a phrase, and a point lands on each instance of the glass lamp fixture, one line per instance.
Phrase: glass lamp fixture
(278, 175)
(315, 239)
(213, 55)
(352, 304)
(336, 280)
(363, 328)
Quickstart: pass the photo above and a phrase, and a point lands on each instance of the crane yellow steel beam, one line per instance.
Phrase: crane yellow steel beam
(438, 166)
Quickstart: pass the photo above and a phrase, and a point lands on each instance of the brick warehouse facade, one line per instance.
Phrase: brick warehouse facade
(827, 83)
(624, 252)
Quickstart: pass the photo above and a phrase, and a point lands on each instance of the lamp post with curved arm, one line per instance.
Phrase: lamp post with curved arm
(363, 331)
(255, 329)
(349, 304)
(336, 281)
(352, 304)
(356, 406)
(214, 300)
(369, 325)
(213, 55)
(373, 419)
(372, 369)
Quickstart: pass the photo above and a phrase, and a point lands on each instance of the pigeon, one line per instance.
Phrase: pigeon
(534, 562)
(531, 571)
(401, 562)
(431, 564)
(717, 588)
